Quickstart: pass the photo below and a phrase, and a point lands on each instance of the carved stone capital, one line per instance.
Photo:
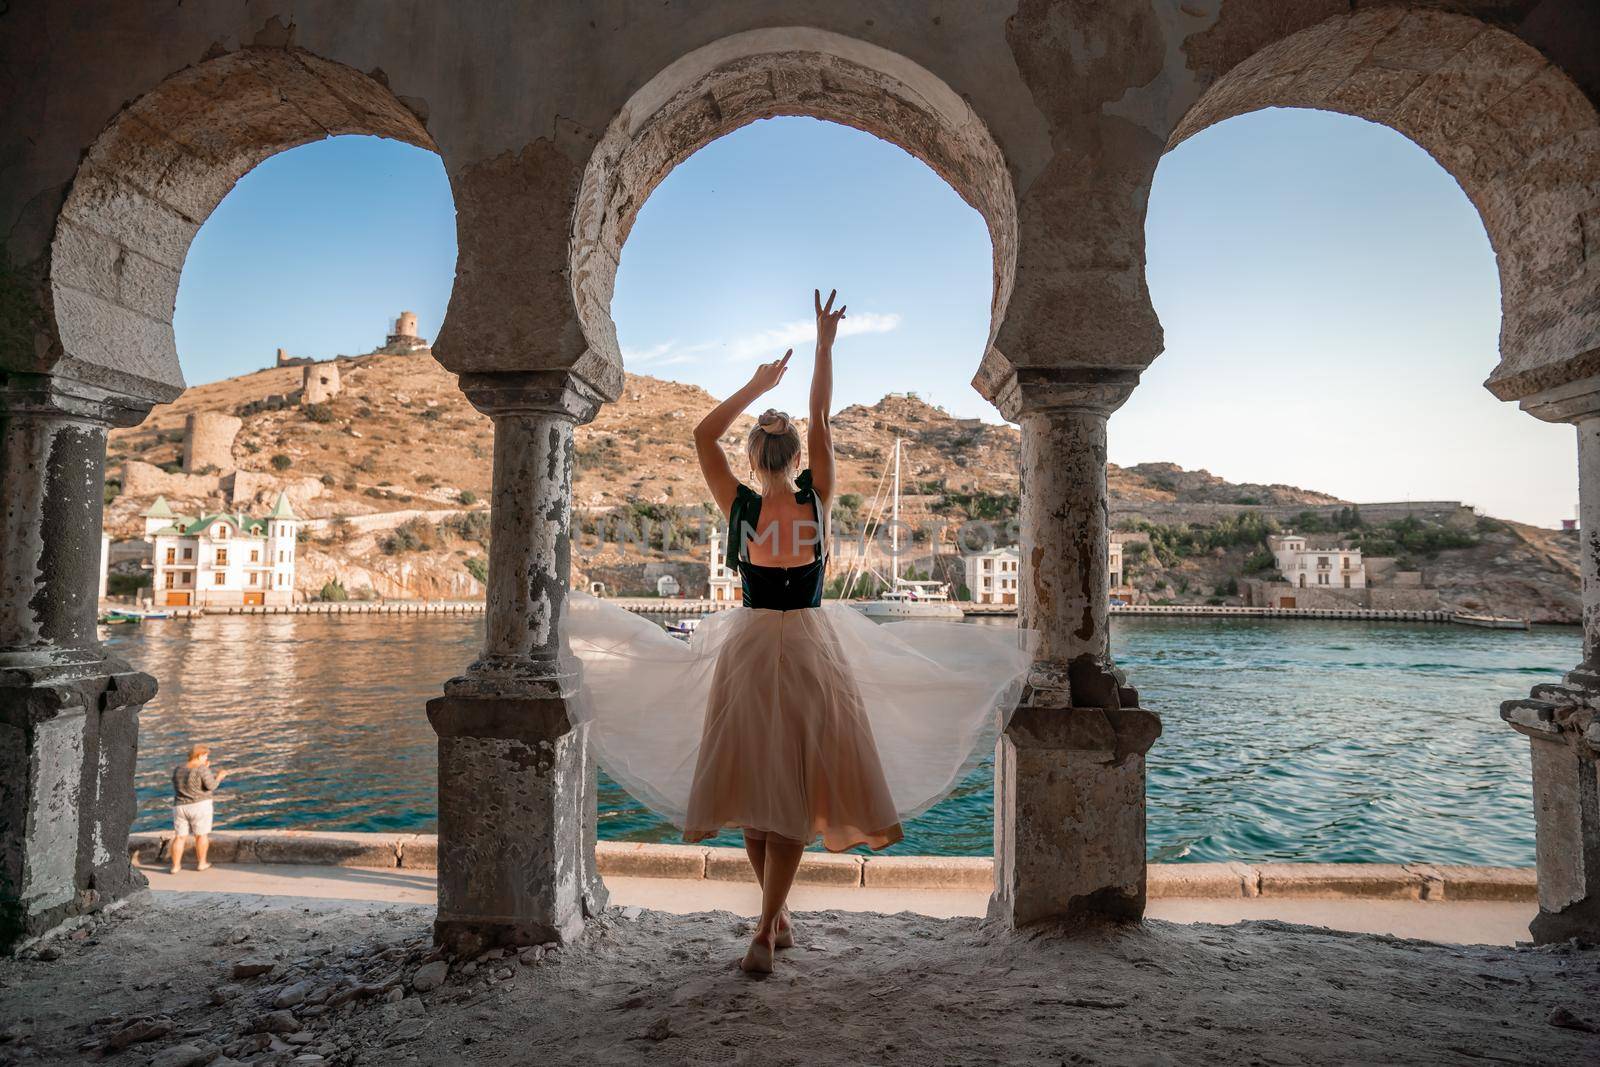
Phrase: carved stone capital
(1037, 390)
(1566, 712)
(1572, 402)
(51, 396)
(554, 392)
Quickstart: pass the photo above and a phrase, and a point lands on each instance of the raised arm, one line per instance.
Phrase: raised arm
(819, 434)
(708, 435)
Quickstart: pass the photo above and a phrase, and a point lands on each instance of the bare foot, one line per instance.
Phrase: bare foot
(758, 960)
(785, 935)
(202, 866)
(175, 870)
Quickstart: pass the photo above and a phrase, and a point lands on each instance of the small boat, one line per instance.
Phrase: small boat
(682, 629)
(1490, 622)
(116, 616)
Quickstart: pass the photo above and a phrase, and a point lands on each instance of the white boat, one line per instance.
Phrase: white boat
(911, 600)
(906, 598)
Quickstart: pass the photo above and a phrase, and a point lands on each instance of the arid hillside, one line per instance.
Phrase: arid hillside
(399, 445)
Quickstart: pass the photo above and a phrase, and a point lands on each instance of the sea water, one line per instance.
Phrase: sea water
(1281, 739)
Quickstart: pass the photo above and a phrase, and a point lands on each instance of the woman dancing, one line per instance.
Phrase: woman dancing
(788, 719)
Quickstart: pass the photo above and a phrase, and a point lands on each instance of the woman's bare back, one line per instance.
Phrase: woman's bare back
(786, 533)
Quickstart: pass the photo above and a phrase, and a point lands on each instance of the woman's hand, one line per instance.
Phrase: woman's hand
(768, 375)
(827, 318)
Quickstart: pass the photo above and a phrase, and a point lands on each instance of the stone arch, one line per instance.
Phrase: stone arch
(759, 74)
(153, 177)
(1521, 139)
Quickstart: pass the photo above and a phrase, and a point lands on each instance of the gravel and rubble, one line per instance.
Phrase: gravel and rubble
(233, 979)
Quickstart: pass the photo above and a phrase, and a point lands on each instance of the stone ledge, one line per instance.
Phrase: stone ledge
(635, 859)
(816, 868)
(928, 872)
(1202, 881)
(1365, 881)
(307, 847)
(628, 859)
(1486, 883)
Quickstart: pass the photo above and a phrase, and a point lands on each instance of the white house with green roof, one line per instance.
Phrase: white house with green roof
(222, 559)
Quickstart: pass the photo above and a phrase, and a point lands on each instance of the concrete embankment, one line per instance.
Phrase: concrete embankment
(1191, 881)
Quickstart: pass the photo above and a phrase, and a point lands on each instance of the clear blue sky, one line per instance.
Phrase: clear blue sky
(1329, 296)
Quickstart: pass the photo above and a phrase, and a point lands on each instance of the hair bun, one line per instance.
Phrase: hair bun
(774, 422)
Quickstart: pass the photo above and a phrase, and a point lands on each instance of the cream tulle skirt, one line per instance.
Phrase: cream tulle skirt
(806, 723)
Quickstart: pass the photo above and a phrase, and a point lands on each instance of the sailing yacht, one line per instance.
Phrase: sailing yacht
(905, 598)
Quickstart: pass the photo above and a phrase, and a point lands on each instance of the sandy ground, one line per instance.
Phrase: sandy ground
(1466, 922)
(861, 988)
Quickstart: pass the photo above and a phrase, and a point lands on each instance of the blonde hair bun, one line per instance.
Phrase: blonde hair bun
(773, 443)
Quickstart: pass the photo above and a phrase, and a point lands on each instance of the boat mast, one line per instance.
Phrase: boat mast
(894, 524)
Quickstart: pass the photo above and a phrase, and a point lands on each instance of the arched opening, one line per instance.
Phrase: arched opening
(715, 277)
(308, 219)
(1518, 138)
(1509, 126)
(762, 74)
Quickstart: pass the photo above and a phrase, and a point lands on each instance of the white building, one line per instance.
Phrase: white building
(1302, 566)
(222, 559)
(992, 575)
(726, 587)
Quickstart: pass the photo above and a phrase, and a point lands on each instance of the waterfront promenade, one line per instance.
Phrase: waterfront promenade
(1467, 904)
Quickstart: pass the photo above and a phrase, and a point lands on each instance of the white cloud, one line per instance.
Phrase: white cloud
(665, 354)
(764, 344)
(771, 343)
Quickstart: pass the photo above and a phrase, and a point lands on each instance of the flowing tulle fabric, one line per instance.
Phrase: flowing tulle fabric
(802, 723)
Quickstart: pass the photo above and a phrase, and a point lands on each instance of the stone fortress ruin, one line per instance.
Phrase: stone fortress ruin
(402, 340)
(208, 441)
(1049, 118)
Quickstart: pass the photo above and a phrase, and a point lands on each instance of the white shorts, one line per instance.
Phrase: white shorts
(191, 819)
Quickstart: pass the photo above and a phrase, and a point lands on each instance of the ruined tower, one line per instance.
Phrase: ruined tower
(208, 441)
(319, 383)
(404, 339)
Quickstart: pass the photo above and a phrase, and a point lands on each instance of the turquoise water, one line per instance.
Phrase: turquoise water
(1287, 740)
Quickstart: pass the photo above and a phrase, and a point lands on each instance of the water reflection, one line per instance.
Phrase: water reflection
(1283, 740)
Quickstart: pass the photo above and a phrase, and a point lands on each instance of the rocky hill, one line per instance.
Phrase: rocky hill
(398, 447)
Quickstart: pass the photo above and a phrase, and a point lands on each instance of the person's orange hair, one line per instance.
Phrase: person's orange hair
(199, 750)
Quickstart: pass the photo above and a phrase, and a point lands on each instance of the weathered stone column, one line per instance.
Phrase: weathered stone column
(1069, 833)
(69, 713)
(1560, 719)
(516, 779)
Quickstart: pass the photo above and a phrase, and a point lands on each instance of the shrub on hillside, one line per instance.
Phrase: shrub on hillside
(467, 497)
(413, 535)
(478, 568)
(317, 412)
(333, 590)
(473, 526)
(281, 462)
